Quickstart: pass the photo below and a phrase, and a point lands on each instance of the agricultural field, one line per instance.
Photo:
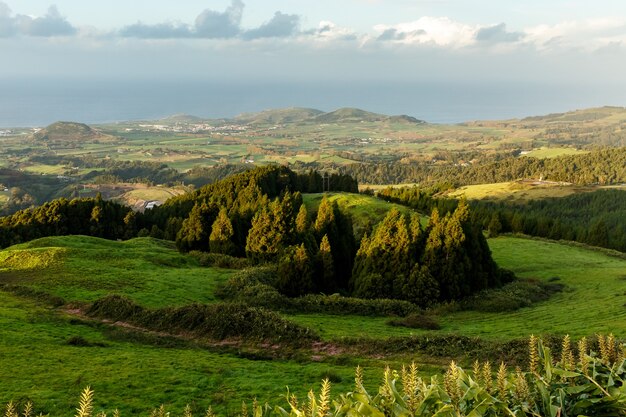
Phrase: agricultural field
(519, 191)
(59, 352)
(303, 135)
(544, 152)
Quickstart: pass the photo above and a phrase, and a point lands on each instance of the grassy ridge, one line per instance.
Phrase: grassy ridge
(366, 211)
(80, 268)
(522, 191)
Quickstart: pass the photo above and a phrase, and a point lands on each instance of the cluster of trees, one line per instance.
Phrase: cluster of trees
(313, 254)
(595, 218)
(84, 216)
(604, 166)
(447, 260)
(243, 192)
(260, 215)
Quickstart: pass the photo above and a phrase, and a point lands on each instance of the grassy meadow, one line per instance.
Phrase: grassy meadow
(544, 152)
(82, 269)
(522, 191)
(133, 369)
(366, 211)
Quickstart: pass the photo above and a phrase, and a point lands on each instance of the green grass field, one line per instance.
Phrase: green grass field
(521, 191)
(133, 375)
(594, 300)
(81, 268)
(135, 371)
(543, 152)
(366, 211)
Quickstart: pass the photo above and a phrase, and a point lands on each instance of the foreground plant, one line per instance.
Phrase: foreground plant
(581, 383)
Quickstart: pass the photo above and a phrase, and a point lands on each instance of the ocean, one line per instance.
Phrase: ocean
(32, 103)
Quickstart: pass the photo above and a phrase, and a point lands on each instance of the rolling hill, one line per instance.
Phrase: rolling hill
(71, 132)
(278, 116)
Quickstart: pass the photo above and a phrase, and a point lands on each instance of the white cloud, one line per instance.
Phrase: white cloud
(440, 31)
(588, 34)
(49, 25)
(329, 31)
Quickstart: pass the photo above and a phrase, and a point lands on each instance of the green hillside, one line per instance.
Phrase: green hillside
(57, 354)
(70, 132)
(80, 268)
(278, 116)
(366, 211)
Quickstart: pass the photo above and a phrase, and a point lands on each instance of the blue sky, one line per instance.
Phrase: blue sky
(530, 41)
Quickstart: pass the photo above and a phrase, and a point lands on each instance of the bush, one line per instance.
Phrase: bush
(511, 297)
(220, 260)
(38, 295)
(114, 307)
(80, 341)
(416, 321)
(216, 321)
(254, 287)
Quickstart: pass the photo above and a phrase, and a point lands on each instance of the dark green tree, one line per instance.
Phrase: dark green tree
(220, 240)
(295, 272)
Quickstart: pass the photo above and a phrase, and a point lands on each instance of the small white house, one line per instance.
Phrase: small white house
(152, 204)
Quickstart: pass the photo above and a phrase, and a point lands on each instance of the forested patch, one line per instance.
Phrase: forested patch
(260, 215)
(604, 166)
(595, 218)
(82, 216)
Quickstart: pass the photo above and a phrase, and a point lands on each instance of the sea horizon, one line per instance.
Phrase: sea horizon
(37, 103)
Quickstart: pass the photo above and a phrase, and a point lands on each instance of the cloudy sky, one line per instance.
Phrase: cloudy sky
(576, 42)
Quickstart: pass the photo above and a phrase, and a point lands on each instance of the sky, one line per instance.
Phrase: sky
(529, 42)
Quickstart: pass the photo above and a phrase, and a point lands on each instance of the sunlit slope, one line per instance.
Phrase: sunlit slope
(80, 268)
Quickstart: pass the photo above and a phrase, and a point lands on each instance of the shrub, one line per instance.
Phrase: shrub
(220, 260)
(254, 287)
(215, 321)
(416, 321)
(114, 307)
(38, 295)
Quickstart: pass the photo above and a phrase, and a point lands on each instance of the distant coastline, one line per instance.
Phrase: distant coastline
(28, 103)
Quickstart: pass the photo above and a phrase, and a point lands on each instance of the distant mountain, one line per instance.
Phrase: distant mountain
(353, 115)
(182, 118)
(405, 119)
(278, 116)
(348, 114)
(306, 115)
(70, 132)
(584, 115)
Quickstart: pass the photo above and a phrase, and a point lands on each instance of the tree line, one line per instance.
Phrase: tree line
(594, 218)
(603, 166)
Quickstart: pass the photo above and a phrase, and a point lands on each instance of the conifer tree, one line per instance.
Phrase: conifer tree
(195, 231)
(302, 221)
(266, 236)
(386, 253)
(295, 272)
(326, 271)
(130, 225)
(325, 220)
(220, 240)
